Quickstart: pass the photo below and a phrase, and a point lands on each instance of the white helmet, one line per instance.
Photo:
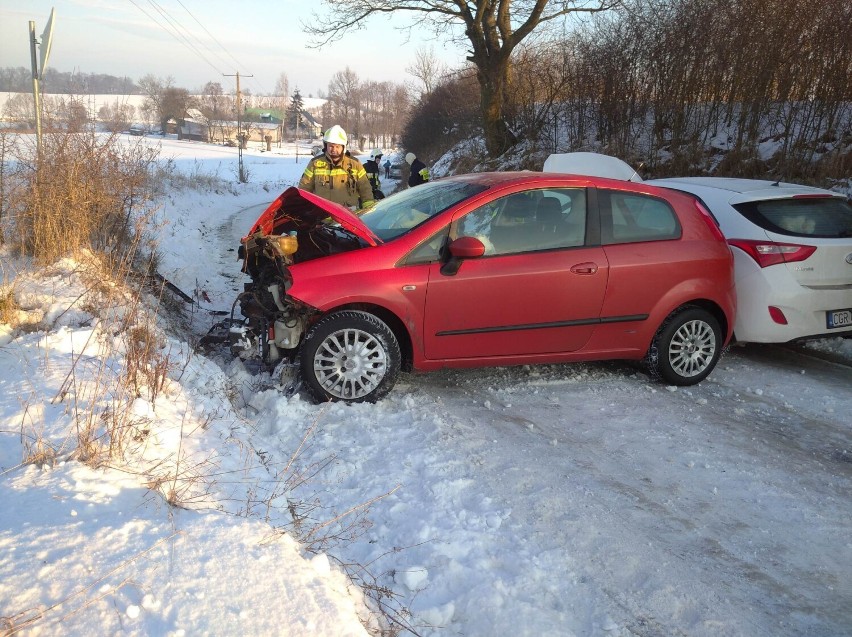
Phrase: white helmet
(335, 135)
(376, 153)
(409, 158)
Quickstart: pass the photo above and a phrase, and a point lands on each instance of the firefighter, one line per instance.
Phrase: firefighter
(419, 172)
(335, 176)
(372, 168)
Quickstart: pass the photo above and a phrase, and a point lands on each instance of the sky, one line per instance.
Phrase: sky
(577, 500)
(260, 39)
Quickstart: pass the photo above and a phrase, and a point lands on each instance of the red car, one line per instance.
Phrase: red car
(485, 269)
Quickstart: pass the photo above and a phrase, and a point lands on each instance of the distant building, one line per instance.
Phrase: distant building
(311, 124)
(193, 126)
(225, 132)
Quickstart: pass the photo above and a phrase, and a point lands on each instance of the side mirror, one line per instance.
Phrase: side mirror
(467, 248)
(461, 249)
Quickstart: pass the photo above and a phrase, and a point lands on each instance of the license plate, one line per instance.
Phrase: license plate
(838, 318)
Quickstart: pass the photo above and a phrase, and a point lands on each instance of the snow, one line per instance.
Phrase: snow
(569, 500)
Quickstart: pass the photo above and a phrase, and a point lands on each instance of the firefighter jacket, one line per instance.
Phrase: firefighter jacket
(419, 173)
(345, 183)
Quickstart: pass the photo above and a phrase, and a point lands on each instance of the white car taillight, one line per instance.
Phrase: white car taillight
(767, 253)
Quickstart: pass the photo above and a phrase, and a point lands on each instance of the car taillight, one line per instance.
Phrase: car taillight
(767, 253)
(710, 220)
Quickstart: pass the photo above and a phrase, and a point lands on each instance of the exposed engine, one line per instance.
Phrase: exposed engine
(273, 324)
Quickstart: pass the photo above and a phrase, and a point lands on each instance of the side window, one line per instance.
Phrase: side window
(529, 221)
(513, 227)
(561, 218)
(429, 251)
(631, 218)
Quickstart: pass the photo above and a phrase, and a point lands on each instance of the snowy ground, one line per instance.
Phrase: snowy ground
(551, 500)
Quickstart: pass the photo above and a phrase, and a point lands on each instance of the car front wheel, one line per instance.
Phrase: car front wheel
(350, 356)
(686, 348)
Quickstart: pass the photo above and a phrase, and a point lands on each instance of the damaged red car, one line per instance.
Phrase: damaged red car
(484, 269)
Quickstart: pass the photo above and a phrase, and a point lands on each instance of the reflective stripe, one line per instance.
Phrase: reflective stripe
(346, 184)
(335, 172)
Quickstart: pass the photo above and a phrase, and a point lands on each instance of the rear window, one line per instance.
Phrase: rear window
(827, 217)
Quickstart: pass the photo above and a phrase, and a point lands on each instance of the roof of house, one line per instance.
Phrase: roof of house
(234, 124)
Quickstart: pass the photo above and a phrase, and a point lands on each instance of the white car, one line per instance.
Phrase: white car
(792, 250)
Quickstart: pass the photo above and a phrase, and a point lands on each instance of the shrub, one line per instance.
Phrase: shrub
(82, 190)
(447, 115)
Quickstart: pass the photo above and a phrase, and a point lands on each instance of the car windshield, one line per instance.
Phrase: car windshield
(824, 217)
(394, 216)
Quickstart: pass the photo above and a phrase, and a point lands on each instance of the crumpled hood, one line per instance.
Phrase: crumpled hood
(296, 209)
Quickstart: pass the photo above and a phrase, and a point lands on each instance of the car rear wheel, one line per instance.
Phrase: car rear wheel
(686, 348)
(350, 356)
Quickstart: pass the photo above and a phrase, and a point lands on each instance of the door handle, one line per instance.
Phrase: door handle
(584, 268)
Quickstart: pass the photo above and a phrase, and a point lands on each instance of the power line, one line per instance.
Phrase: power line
(173, 27)
(175, 35)
(181, 31)
(212, 37)
(222, 46)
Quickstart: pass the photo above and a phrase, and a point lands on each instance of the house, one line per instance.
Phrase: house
(311, 125)
(226, 132)
(193, 126)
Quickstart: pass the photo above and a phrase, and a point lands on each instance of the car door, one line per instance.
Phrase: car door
(641, 236)
(538, 289)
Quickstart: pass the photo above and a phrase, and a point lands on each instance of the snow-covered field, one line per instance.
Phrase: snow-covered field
(564, 500)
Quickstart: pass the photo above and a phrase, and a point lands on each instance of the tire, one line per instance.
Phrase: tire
(351, 357)
(686, 348)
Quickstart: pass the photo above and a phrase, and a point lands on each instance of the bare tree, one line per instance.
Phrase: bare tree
(21, 109)
(282, 92)
(69, 110)
(372, 110)
(214, 102)
(427, 69)
(163, 100)
(327, 113)
(117, 116)
(492, 28)
(344, 90)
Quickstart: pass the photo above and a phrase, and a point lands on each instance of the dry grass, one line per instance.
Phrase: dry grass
(8, 305)
(81, 192)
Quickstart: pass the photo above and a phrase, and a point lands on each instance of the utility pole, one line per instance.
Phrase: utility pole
(241, 171)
